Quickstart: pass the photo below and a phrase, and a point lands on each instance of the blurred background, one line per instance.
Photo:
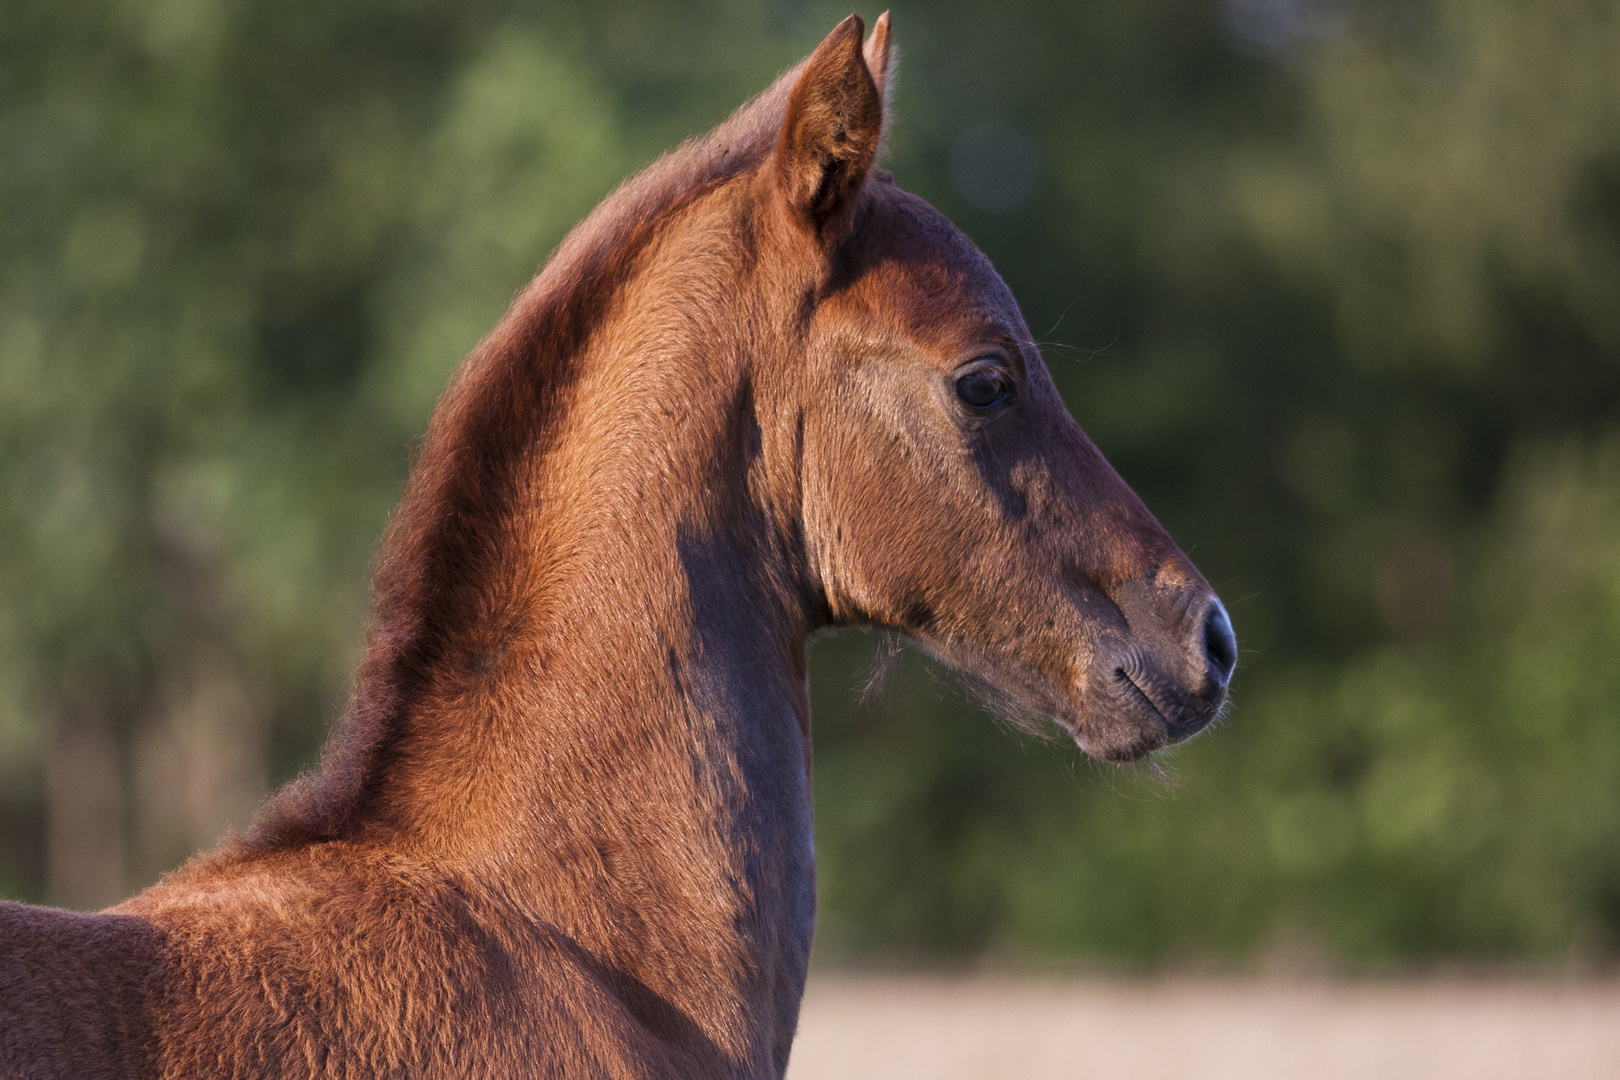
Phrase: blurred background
(1334, 283)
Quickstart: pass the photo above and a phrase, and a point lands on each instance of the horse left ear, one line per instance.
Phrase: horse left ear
(833, 128)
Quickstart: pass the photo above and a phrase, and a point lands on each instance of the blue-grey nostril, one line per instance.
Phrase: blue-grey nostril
(1220, 644)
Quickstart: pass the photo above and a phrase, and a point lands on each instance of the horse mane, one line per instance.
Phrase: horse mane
(500, 409)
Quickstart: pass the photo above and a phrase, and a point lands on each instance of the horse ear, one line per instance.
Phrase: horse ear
(833, 128)
(880, 59)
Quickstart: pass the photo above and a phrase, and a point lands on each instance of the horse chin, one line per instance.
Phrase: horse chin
(1123, 722)
(1121, 738)
(1110, 717)
(1110, 727)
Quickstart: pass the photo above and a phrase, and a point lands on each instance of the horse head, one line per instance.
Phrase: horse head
(945, 491)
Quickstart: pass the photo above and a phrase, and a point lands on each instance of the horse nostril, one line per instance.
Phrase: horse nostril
(1220, 644)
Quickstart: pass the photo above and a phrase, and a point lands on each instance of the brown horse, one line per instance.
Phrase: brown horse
(564, 829)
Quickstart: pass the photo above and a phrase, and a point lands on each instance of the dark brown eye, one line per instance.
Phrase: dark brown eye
(985, 388)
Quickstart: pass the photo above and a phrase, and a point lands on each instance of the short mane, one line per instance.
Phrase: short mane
(501, 406)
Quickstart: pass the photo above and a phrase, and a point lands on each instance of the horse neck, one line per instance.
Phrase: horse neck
(618, 730)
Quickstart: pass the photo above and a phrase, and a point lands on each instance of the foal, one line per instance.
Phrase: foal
(565, 829)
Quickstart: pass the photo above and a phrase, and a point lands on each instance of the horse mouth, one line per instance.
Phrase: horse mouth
(1132, 722)
(1134, 693)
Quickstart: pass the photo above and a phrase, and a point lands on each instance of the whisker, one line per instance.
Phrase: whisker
(883, 663)
(1063, 315)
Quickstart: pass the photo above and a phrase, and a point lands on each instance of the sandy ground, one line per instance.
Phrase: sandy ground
(899, 1028)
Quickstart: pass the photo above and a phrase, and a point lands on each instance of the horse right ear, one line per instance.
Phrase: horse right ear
(833, 128)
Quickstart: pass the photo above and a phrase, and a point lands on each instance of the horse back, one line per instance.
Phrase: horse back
(75, 993)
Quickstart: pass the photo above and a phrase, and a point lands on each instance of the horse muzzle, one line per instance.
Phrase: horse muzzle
(1160, 681)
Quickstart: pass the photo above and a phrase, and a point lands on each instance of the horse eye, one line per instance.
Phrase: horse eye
(984, 388)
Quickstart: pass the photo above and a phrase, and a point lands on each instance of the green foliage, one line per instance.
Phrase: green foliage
(1332, 284)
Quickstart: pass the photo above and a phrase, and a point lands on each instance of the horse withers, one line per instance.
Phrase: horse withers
(564, 829)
